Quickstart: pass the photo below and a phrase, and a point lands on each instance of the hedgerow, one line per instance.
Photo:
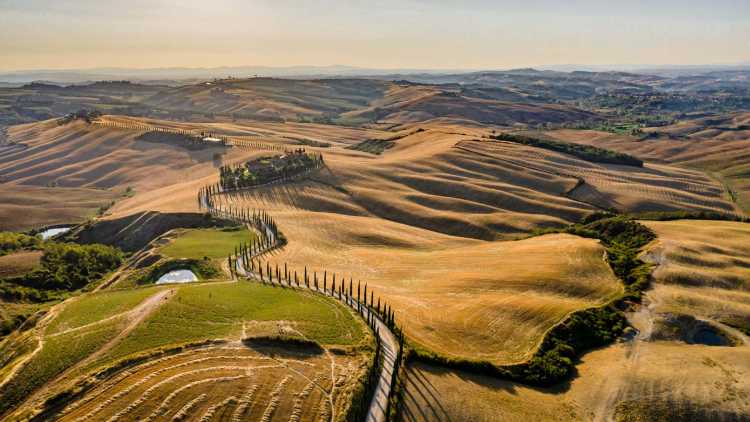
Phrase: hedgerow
(586, 152)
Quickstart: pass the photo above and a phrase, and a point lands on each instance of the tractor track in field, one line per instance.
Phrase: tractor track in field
(136, 316)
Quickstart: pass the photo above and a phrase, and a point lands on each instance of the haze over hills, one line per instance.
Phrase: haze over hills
(521, 204)
(78, 76)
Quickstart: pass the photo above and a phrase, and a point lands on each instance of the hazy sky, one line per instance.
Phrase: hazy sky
(468, 34)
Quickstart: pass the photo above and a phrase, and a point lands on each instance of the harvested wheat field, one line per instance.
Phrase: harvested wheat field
(703, 271)
(719, 146)
(496, 299)
(24, 207)
(634, 381)
(405, 223)
(231, 382)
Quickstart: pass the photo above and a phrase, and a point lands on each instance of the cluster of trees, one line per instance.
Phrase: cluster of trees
(586, 152)
(63, 268)
(689, 215)
(266, 170)
(69, 267)
(87, 115)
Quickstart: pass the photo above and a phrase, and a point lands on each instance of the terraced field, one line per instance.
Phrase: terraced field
(98, 330)
(232, 382)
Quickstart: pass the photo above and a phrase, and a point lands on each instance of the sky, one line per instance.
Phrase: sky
(387, 34)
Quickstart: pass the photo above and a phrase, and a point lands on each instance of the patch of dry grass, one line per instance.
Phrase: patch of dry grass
(653, 381)
(19, 263)
(460, 297)
(703, 270)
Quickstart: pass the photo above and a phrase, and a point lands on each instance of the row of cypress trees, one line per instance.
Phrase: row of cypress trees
(366, 305)
(225, 140)
(247, 260)
(242, 143)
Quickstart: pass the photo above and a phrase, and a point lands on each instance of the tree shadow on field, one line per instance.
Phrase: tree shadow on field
(305, 194)
(284, 347)
(424, 402)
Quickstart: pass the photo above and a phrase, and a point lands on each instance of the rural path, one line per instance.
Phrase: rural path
(135, 317)
(614, 390)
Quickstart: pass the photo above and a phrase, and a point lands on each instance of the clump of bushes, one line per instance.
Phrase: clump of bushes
(586, 152)
(63, 268)
(69, 266)
(11, 242)
(268, 169)
(689, 215)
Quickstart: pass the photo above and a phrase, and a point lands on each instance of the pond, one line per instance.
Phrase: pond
(177, 276)
(49, 233)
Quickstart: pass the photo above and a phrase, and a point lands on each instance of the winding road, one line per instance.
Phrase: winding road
(377, 411)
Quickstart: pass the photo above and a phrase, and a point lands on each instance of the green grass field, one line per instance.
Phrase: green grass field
(211, 243)
(57, 354)
(97, 306)
(214, 311)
